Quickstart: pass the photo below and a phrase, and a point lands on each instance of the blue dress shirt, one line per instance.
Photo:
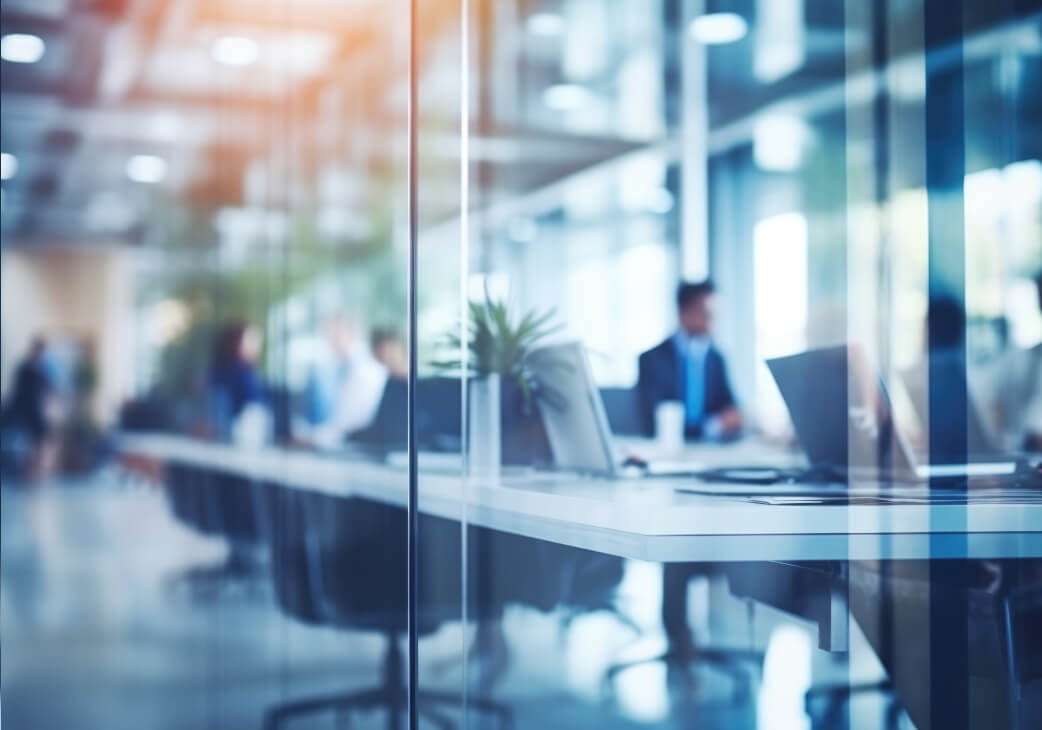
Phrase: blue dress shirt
(693, 351)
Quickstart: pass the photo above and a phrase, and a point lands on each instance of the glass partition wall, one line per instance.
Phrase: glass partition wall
(534, 364)
(205, 274)
(858, 183)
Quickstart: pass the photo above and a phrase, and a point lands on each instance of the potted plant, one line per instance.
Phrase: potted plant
(503, 388)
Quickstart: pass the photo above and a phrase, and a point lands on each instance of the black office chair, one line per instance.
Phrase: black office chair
(1001, 601)
(222, 505)
(342, 562)
(1021, 611)
(826, 704)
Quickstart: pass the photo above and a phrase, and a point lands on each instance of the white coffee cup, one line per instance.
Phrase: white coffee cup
(669, 425)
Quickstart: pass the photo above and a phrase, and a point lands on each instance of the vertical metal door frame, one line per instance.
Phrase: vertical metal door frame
(413, 517)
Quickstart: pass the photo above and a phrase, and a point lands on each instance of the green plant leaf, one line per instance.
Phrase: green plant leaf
(496, 345)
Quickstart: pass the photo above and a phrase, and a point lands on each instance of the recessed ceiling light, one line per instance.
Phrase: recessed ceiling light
(567, 97)
(146, 168)
(545, 24)
(718, 28)
(234, 50)
(8, 166)
(22, 48)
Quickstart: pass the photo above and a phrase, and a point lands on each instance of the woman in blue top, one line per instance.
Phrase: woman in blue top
(235, 381)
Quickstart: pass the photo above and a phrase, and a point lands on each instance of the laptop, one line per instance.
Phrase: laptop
(844, 420)
(572, 411)
(963, 437)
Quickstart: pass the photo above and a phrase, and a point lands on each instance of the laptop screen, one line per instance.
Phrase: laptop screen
(840, 409)
(571, 408)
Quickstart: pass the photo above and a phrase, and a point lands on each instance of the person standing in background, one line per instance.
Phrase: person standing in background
(26, 412)
(687, 367)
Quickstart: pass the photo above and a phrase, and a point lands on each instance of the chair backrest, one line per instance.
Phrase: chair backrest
(1023, 617)
(214, 503)
(285, 526)
(357, 566)
(357, 561)
(185, 496)
(342, 561)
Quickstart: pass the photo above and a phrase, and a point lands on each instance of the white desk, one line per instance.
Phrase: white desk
(645, 519)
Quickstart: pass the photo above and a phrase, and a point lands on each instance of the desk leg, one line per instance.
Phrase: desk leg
(834, 627)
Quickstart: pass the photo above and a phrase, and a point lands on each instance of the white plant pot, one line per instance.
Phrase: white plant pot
(484, 440)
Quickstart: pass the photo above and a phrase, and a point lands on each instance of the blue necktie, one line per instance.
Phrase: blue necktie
(694, 391)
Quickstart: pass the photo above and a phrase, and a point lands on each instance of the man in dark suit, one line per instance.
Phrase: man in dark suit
(686, 367)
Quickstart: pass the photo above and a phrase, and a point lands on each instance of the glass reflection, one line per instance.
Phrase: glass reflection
(204, 279)
(728, 384)
(828, 178)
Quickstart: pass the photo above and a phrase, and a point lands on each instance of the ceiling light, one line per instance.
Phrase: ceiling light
(235, 50)
(8, 165)
(546, 24)
(567, 97)
(22, 48)
(718, 28)
(146, 168)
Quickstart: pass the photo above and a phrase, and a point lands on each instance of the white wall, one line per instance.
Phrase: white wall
(59, 292)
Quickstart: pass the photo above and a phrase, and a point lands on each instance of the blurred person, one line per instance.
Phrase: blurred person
(346, 389)
(81, 436)
(949, 441)
(27, 411)
(1032, 383)
(1016, 404)
(687, 367)
(954, 435)
(389, 349)
(235, 381)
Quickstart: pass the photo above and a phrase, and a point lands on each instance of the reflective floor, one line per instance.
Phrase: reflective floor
(110, 619)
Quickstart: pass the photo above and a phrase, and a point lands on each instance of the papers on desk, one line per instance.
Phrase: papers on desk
(841, 494)
(731, 489)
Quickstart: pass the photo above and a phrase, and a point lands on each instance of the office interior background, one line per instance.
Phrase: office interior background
(217, 214)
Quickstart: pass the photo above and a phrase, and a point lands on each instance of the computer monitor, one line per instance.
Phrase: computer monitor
(840, 410)
(844, 420)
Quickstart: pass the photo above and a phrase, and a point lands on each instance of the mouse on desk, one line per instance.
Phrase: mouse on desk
(635, 462)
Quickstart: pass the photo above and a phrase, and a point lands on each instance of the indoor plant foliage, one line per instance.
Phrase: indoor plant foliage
(497, 344)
